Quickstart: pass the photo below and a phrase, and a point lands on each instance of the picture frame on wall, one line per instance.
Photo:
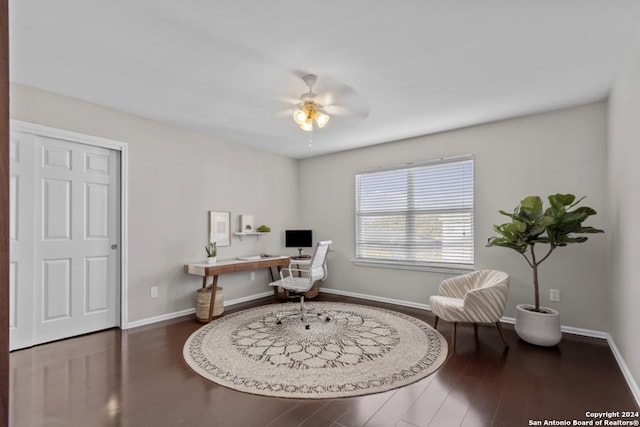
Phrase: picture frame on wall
(220, 228)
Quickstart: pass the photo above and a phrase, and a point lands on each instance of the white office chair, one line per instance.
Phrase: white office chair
(300, 279)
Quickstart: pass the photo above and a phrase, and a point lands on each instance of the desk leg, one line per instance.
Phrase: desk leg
(213, 297)
(204, 282)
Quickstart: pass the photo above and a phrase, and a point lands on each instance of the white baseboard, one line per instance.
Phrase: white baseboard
(249, 298)
(633, 385)
(156, 319)
(376, 298)
(188, 311)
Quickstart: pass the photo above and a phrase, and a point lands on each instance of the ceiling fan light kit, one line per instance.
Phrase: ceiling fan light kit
(308, 111)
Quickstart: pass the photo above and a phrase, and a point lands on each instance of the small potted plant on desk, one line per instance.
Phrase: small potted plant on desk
(556, 226)
(212, 252)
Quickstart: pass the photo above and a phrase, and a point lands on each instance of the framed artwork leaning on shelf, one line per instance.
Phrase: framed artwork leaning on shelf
(246, 223)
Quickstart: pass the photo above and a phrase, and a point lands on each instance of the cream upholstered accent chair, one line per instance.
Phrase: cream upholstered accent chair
(477, 297)
(300, 279)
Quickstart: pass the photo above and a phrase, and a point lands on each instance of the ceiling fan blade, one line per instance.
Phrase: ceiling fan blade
(289, 100)
(285, 113)
(337, 110)
(359, 112)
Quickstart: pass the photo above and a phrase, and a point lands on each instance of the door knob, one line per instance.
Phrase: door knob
(114, 246)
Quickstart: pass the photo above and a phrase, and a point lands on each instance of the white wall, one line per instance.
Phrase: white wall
(555, 152)
(624, 202)
(175, 178)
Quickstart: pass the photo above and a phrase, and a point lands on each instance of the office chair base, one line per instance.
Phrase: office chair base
(302, 314)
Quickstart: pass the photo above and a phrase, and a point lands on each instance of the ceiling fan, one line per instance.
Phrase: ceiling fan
(310, 112)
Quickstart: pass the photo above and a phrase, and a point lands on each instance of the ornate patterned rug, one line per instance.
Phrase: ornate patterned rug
(361, 350)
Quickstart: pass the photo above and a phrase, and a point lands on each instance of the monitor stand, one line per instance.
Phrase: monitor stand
(301, 255)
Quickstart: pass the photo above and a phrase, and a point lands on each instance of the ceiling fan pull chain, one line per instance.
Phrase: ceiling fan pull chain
(310, 139)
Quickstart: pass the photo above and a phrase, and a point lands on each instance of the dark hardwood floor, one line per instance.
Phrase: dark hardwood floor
(138, 378)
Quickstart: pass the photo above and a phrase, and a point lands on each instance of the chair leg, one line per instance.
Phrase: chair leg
(302, 307)
(502, 334)
(435, 325)
(455, 325)
(303, 316)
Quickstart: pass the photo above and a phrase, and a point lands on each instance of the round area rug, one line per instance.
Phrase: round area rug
(361, 350)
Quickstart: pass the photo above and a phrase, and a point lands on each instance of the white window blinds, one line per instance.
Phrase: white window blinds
(417, 215)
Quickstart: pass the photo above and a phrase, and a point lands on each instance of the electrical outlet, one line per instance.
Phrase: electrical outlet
(554, 295)
(154, 292)
(253, 275)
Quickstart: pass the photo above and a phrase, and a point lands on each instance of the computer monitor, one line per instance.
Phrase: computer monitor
(298, 239)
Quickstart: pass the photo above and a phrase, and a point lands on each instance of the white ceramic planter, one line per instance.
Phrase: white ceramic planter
(538, 328)
(211, 260)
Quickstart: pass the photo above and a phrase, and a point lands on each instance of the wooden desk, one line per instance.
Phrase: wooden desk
(233, 266)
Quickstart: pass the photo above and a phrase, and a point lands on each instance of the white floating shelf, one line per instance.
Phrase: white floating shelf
(242, 234)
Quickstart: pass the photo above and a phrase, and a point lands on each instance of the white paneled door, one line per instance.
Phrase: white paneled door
(65, 222)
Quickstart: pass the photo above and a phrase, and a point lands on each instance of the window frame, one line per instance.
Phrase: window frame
(405, 264)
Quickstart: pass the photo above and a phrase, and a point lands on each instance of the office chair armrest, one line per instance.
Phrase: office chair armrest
(291, 271)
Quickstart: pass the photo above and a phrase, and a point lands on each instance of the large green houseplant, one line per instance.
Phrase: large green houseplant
(560, 224)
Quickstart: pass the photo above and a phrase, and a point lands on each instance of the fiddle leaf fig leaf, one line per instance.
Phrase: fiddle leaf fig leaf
(531, 207)
(589, 230)
(560, 201)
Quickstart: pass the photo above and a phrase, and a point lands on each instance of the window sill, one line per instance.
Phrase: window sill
(459, 269)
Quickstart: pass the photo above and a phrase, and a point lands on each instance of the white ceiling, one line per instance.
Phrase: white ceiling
(393, 69)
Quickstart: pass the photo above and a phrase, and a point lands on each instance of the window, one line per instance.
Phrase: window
(418, 216)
